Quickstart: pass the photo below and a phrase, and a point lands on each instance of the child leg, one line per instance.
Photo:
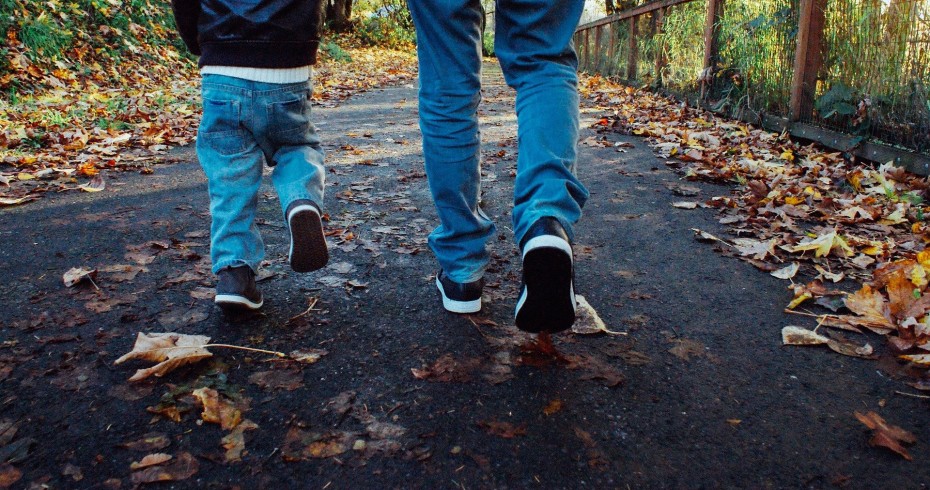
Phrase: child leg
(232, 162)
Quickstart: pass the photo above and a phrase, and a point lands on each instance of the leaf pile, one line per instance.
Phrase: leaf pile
(836, 217)
(797, 208)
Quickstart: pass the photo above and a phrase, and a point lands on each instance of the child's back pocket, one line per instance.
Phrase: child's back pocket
(221, 128)
(289, 120)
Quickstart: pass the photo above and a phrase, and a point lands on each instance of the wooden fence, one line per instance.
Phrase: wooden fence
(854, 80)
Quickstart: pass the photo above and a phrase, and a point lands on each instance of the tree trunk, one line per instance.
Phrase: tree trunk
(339, 14)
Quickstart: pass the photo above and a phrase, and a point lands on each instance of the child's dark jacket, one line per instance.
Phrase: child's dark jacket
(250, 33)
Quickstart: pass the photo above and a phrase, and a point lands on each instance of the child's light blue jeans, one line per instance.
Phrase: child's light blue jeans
(533, 44)
(244, 125)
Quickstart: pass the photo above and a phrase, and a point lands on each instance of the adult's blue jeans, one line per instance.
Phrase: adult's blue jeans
(245, 125)
(532, 41)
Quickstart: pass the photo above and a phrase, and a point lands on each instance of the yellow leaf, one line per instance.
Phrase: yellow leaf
(823, 244)
(787, 155)
(800, 299)
(919, 276)
(793, 200)
(923, 258)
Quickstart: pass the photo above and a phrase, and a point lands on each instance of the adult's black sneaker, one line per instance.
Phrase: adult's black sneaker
(236, 290)
(308, 250)
(459, 297)
(547, 297)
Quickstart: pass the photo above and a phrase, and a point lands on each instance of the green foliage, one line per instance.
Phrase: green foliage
(80, 36)
(387, 24)
(487, 44)
(332, 51)
(838, 101)
(44, 36)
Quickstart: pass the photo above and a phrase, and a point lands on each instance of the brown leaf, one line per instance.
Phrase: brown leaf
(285, 379)
(502, 429)
(182, 467)
(234, 442)
(871, 307)
(149, 442)
(685, 348)
(218, 409)
(448, 369)
(9, 475)
(888, 436)
(150, 460)
(300, 444)
(170, 350)
(552, 407)
(121, 273)
(900, 294)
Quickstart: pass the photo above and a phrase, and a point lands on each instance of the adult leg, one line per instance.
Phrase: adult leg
(533, 44)
(448, 47)
(232, 162)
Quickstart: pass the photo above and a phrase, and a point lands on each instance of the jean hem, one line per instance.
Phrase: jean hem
(234, 263)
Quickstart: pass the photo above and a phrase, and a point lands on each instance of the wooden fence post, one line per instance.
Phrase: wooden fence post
(808, 58)
(632, 66)
(597, 49)
(611, 50)
(587, 48)
(711, 29)
(660, 47)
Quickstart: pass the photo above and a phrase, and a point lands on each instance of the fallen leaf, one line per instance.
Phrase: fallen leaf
(121, 273)
(95, 185)
(872, 309)
(300, 444)
(149, 442)
(885, 435)
(685, 204)
(77, 274)
(234, 442)
(150, 460)
(587, 320)
(685, 348)
(758, 249)
(823, 244)
(448, 369)
(170, 350)
(9, 475)
(218, 409)
(279, 379)
(787, 272)
(182, 467)
(792, 335)
(552, 407)
(73, 471)
(307, 356)
(502, 429)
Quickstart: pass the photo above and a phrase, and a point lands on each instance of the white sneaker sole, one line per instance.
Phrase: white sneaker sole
(234, 300)
(456, 306)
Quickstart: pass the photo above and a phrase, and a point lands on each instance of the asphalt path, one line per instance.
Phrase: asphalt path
(695, 390)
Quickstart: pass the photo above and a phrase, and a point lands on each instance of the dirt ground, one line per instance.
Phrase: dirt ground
(697, 392)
